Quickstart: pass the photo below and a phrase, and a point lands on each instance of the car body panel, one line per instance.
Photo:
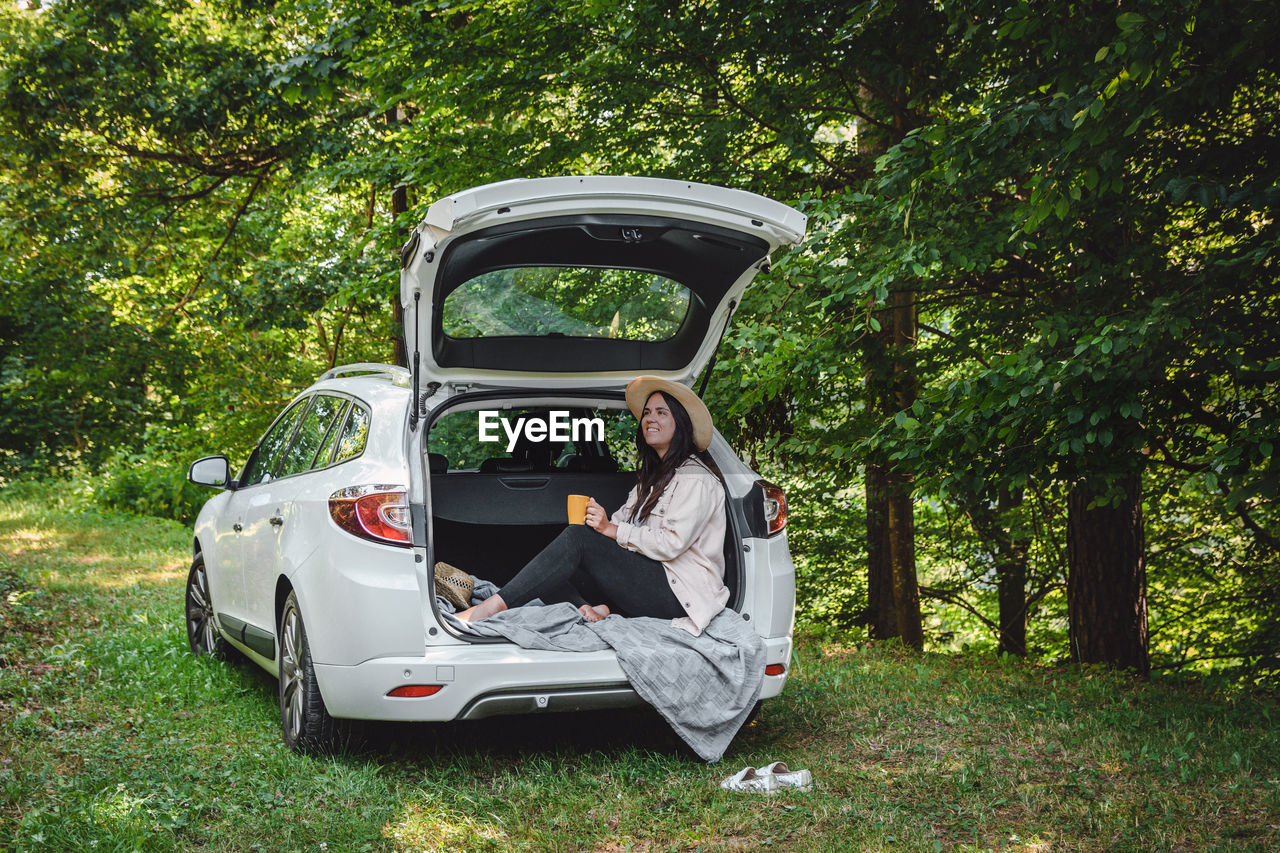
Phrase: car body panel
(261, 546)
(471, 673)
(218, 540)
(478, 207)
(252, 559)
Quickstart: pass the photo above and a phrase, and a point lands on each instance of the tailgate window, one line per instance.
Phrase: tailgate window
(550, 438)
(574, 302)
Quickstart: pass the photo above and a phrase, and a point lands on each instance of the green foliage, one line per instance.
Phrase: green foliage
(166, 237)
(1086, 314)
(152, 484)
(1080, 201)
(831, 581)
(1214, 589)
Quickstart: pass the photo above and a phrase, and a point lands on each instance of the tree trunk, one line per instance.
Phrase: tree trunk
(902, 524)
(1011, 578)
(1107, 578)
(902, 561)
(399, 205)
(892, 590)
(1011, 589)
(1010, 552)
(882, 616)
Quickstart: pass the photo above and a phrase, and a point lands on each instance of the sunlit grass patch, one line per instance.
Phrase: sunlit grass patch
(427, 824)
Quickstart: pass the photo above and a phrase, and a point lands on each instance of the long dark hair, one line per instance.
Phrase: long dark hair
(656, 472)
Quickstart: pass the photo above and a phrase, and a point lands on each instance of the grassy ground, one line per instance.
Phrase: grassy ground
(112, 737)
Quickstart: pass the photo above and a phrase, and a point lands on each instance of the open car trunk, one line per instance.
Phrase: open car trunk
(494, 506)
(525, 291)
(491, 524)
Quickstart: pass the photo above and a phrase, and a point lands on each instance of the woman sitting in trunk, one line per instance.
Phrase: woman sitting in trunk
(662, 553)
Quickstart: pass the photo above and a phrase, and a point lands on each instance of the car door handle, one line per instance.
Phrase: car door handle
(237, 527)
(277, 520)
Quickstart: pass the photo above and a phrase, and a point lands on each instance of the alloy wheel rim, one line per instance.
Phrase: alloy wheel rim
(291, 671)
(201, 631)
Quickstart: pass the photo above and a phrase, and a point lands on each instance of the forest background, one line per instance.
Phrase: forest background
(1020, 383)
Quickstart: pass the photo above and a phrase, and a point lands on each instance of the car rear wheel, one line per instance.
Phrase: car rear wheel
(305, 721)
(202, 629)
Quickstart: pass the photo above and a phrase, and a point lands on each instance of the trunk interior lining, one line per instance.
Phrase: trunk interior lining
(492, 524)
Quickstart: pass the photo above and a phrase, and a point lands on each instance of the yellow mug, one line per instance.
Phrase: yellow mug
(578, 509)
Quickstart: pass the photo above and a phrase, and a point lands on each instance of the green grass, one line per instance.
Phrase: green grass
(112, 737)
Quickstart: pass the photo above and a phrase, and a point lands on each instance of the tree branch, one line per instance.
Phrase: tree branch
(953, 598)
(230, 165)
(204, 272)
(935, 331)
(1201, 415)
(1264, 538)
(1259, 532)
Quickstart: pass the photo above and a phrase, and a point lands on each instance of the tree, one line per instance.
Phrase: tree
(156, 189)
(1067, 215)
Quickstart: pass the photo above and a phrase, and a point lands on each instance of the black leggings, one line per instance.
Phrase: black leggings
(581, 562)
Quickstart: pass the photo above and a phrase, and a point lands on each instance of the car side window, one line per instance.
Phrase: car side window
(311, 434)
(355, 432)
(325, 454)
(267, 456)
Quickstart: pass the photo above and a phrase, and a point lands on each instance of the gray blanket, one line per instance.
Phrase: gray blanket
(704, 686)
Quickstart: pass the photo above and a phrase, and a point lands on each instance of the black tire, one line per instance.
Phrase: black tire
(202, 628)
(304, 720)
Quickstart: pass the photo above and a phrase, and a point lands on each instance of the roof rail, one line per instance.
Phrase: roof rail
(394, 371)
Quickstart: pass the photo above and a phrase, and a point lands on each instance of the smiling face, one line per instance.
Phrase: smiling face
(657, 424)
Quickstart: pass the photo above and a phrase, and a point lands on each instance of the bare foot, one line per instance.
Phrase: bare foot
(489, 607)
(594, 612)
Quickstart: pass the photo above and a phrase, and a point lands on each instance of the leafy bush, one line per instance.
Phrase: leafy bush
(154, 484)
(825, 532)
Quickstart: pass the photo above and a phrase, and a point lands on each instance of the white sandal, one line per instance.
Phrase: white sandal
(747, 779)
(801, 780)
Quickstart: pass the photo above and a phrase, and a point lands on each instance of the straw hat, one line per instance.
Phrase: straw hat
(639, 389)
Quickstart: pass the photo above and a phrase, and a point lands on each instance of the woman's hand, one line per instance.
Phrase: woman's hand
(598, 520)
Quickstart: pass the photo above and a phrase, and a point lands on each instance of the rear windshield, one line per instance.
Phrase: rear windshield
(582, 439)
(575, 302)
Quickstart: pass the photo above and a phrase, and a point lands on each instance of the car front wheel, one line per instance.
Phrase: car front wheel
(306, 723)
(202, 629)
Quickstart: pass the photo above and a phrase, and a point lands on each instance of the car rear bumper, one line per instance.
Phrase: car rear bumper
(494, 678)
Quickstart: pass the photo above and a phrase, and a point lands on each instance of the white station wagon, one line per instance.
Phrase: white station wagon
(529, 299)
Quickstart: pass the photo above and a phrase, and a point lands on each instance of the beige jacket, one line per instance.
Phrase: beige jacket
(685, 532)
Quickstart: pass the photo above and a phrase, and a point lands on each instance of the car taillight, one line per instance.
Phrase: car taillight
(775, 507)
(376, 513)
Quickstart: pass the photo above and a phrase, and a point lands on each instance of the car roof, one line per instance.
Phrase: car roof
(369, 381)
